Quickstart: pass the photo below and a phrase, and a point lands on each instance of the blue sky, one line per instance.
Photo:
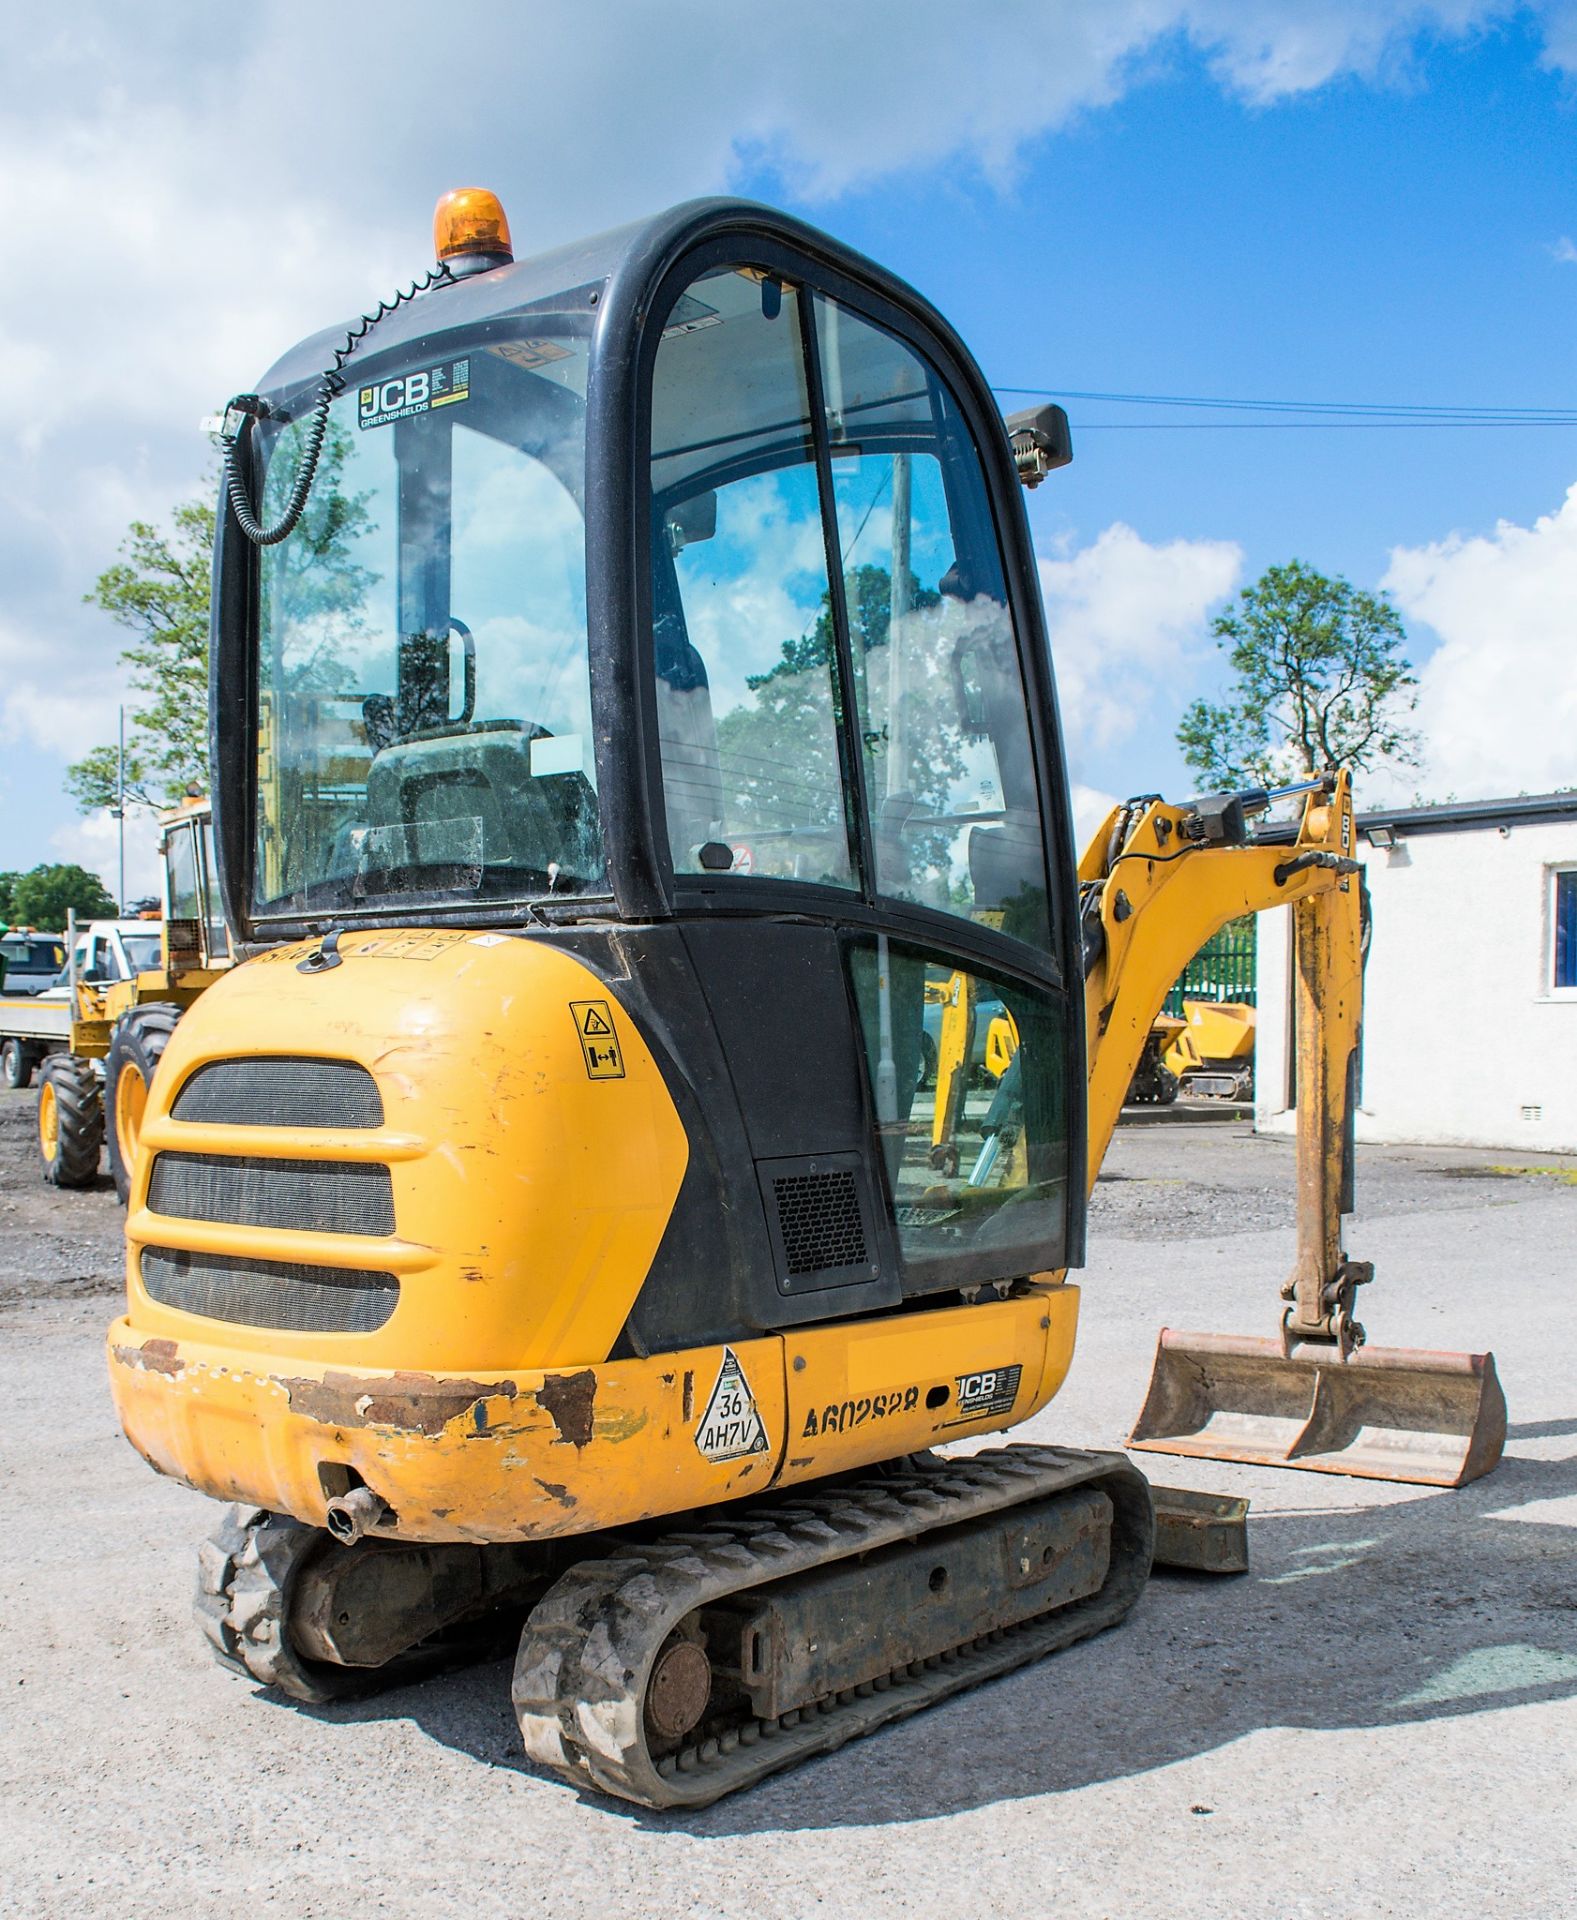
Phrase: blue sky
(1340, 200)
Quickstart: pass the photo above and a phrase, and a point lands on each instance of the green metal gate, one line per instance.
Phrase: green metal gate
(1223, 968)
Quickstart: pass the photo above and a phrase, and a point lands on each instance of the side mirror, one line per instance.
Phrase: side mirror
(1042, 441)
(692, 520)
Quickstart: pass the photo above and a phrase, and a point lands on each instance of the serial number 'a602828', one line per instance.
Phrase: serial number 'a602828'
(845, 1415)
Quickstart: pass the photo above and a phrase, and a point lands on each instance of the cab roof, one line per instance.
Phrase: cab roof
(611, 270)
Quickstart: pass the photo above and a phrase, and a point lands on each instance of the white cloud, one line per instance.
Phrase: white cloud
(183, 199)
(1564, 251)
(1268, 49)
(1125, 618)
(94, 843)
(1090, 808)
(1497, 703)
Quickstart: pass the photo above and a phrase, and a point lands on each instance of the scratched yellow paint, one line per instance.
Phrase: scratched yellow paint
(538, 1453)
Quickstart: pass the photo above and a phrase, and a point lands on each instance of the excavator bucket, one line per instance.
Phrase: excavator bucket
(1383, 1413)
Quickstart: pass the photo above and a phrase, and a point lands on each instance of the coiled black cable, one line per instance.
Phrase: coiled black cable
(252, 406)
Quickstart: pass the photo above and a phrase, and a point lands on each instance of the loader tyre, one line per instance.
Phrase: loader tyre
(136, 1047)
(16, 1064)
(70, 1120)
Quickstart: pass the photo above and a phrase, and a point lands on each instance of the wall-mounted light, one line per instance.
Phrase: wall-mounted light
(1385, 838)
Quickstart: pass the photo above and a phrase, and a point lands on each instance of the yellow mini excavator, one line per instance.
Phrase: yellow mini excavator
(633, 716)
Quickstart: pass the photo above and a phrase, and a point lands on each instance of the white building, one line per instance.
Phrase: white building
(1470, 997)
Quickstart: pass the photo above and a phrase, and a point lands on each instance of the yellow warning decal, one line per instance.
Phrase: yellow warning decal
(598, 1039)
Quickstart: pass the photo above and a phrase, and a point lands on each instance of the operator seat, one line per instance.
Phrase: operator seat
(466, 796)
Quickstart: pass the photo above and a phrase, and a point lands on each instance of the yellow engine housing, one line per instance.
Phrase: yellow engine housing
(534, 1164)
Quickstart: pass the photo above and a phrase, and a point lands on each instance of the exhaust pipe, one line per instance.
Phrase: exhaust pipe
(352, 1515)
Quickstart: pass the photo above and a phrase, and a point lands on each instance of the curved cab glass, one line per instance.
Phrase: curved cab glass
(786, 708)
(424, 709)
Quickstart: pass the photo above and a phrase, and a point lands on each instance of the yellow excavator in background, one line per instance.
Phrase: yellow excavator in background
(1212, 1053)
(653, 727)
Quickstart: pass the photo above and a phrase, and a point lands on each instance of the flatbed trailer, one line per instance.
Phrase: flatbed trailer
(34, 1021)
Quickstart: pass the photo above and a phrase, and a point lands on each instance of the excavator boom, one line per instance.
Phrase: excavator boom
(1156, 882)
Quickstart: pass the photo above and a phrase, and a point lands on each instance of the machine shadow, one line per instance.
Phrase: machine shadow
(1360, 1618)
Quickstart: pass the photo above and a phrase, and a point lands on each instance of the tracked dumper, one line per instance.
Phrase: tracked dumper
(633, 718)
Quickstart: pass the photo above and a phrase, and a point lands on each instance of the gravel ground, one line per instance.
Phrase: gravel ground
(1378, 1720)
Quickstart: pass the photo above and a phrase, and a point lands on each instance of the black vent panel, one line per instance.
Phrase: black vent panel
(279, 1294)
(818, 1213)
(280, 1092)
(312, 1196)
(819, 1219)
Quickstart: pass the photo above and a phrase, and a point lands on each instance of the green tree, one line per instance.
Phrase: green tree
(313, 588)
(45, 896)
(1321, 681)
(7, 885)
(159, 590)
(780, 754)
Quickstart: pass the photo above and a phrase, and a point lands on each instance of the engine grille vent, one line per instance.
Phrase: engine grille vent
(313, 1196)
(183, 943)
(279, 1092)
(269, 1293)
(819, 1219)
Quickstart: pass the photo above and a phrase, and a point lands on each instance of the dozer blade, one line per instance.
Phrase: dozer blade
(1384, 1413)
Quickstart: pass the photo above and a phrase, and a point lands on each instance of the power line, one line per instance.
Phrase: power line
(1315, 413)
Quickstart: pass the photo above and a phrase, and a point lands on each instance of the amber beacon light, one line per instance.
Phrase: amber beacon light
(470, 231)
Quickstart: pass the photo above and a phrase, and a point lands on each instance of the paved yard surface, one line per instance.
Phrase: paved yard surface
(1381, 1719)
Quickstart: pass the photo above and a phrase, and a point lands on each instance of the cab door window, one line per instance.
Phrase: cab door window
(949, 772)
(967, 1076)
(748, 707)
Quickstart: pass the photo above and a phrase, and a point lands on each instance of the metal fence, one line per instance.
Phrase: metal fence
(1223, 969)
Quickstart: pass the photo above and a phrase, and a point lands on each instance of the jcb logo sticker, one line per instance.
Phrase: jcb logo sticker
(412, 393)
(992, 1390)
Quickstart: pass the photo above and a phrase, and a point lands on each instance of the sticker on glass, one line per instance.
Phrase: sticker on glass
(408, 394)
(530, 353)
(731, 1425)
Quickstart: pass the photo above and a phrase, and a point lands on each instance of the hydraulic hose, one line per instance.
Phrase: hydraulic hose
(251, 406)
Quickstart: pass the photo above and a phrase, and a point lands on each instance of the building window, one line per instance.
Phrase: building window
(1563, 971)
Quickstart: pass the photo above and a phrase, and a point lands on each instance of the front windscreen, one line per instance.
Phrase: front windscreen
(142, 951)
(423, 704)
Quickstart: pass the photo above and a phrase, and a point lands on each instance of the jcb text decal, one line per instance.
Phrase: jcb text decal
(990, 1391)
(412, 393)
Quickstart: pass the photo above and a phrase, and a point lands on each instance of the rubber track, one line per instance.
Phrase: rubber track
(245, 1571)
(588, 1648)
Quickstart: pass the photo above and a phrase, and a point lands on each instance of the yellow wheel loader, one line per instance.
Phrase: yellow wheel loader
(630, 694)
(99, 1036)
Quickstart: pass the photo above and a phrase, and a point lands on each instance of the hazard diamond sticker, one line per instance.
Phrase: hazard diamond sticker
(731, 1424)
